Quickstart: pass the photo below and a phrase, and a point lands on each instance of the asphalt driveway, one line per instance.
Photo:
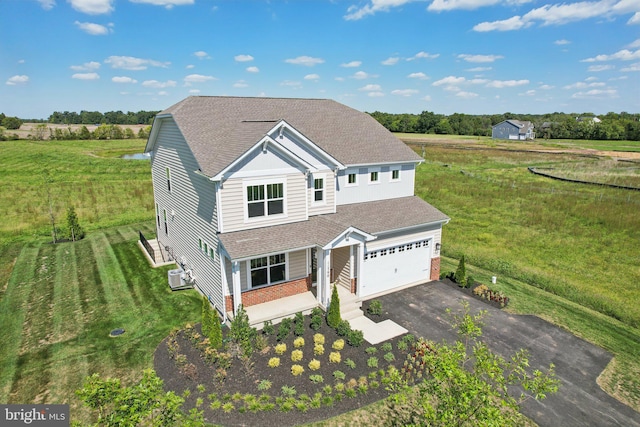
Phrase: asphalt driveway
(579, 402)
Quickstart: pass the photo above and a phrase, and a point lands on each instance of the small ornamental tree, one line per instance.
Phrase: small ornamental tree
(211, 327)
(241, 331)
(75, 231)
(333, 314)
(461, 273)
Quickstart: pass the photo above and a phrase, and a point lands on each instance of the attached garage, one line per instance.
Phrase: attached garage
(386, 267)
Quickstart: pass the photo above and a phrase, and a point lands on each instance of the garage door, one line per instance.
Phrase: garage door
(390, 267)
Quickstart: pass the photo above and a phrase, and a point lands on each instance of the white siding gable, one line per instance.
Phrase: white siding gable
(365, 190)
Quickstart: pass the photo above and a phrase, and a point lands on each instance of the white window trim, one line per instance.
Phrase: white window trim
(264, 181)
(167, 173)
(346, 178)
(323, 177)
(269, 283)
(369, 171)
(399, 174)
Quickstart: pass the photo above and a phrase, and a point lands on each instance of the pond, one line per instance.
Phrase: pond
(136, 156)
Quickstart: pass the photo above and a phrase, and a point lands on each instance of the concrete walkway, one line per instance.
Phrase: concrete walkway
(579, 402)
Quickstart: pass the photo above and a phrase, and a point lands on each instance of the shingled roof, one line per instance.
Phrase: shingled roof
(371, 217)
(220, 129)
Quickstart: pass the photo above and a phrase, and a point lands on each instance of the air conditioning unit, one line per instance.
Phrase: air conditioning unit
(188, 277)
(175, 278)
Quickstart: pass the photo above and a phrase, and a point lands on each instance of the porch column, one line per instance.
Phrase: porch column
(326, 276)
(320, 285)
(360, 256)
(237, 291)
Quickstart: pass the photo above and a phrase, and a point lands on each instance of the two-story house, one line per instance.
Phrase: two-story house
(264, 198)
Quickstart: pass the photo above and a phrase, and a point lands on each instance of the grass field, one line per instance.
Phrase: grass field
(566, 252)
(60, 303)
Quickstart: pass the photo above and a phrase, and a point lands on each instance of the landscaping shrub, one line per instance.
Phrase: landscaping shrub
(241, 332)
(297, 370)
(338, 344)
(318, 349)
(267, 328)
(284, 329)
(298, 342)
(333, 314)
(318, 339)
(316, 322)
(314, 365)
(274, 362)
(355, 338)
(316, 379)
(296, 355)
(343, 328)
(375, 307)
(334, 357)
(470, 282)
(281, 348)
(460, 277)
(298, 328)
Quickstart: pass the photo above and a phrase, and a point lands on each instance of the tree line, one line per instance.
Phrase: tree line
(95, 117)
(613, 126)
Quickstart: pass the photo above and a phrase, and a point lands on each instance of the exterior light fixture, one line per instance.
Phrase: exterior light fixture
(438, 246)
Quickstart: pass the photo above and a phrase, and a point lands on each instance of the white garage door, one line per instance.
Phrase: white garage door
(394, 266)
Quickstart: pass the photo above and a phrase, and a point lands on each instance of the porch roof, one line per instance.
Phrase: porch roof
(370, 217)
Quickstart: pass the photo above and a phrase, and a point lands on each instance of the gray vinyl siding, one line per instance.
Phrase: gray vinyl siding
(297, 264)
(329, 194)
(505, 130)
(364, 191)
(192, 199)
(234, 200)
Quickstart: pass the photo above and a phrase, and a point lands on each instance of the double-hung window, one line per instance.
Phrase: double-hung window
(395, 174)
(318, 190)
(265, 199)
(268, 270)
(168, 172)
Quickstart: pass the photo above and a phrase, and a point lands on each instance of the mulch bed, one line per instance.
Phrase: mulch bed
(193, 372)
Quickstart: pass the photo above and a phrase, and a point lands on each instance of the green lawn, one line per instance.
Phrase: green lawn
(61, 302)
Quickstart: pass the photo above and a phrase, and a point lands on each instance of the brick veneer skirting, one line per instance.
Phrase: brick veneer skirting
(435, 268)
(271, 293)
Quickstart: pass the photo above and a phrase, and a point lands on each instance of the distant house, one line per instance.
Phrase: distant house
(588, 119)
(261, 199)
(514, 130)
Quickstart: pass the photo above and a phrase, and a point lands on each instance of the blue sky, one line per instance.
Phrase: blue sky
(446, 56)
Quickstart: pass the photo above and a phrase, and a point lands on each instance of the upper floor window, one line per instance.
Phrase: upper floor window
(318, 189)
(374, 177)
(264, 200)
(168, 179)
(395, 174)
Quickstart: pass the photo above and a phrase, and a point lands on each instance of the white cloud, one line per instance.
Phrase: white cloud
(583, 85)
(480, 58)
(375, 94)
(253, 69)
(87, 66)
(169, 4)
(194, 91)
(598, 68)
(94, 29)
(404, 92)
(499, 84)
(190, 66)
(419, 76)
(123, 79)
(546, 87)
(361, 75)
(201, 54)
(478, 69)
(243, 58)
(159, 85)
(85, 76)
(197, 78)
(391, 61)
(21, 61)
(426, 98)
(530, 92)
(449, 80)
(371, 88)
(442, 5)
(562, 42)
(163, 93)
(466, 95)
(307, 61)
(423, 55)
(352, 64)
(622, 55)
(132, 63)
(632, 67)
(47, 4)
(312, 77)
(513, 23)
(17, 80)
(563, 13)
(634, 44)
(92, 7)
(596, 93)
(354, 13)
(240, 84)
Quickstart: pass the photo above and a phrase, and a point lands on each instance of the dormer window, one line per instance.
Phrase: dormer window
(318, 190)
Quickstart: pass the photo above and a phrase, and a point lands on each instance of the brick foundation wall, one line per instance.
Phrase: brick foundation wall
(354, 284)
(271, 293)
(435, 268)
